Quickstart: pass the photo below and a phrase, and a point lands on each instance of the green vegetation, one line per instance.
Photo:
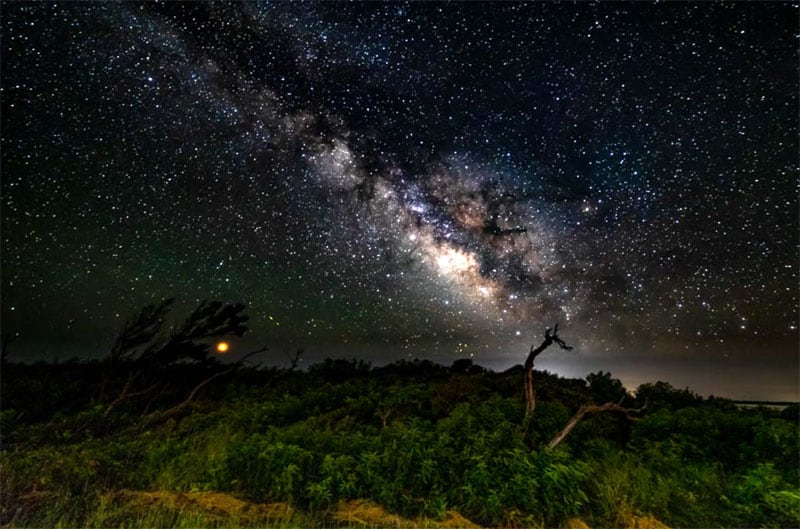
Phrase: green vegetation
(286, 448)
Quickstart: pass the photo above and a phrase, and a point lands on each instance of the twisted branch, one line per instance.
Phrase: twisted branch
(589, 409)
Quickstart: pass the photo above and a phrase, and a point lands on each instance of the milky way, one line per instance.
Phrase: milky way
(412, 180)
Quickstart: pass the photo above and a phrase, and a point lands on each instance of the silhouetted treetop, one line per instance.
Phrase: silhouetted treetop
(140, 330)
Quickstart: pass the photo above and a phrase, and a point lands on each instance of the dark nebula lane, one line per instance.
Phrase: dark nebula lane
(394, 180)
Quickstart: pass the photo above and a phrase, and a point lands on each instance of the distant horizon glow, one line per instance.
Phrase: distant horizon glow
(631, 371)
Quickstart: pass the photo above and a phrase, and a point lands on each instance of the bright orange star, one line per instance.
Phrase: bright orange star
(222, 347)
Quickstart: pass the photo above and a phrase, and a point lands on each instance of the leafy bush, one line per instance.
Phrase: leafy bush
(762, 498)
(266, 471)
(419, 446)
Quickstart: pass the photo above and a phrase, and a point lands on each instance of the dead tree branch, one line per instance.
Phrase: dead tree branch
(126, 394)
(590, 409)
(161, 416)
(530, 390)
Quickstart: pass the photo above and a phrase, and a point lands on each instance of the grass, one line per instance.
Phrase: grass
(160, 509)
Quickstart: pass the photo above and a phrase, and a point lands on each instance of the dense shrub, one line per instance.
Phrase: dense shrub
(419, 447)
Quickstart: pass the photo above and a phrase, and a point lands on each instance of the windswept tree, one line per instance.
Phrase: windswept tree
(140, 331)
(149, 353)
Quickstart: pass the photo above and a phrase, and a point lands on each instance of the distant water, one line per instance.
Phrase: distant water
(771, 405)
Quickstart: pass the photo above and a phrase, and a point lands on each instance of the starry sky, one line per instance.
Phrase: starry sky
(402, 180)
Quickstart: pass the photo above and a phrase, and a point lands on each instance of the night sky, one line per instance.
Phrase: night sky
(391, 180)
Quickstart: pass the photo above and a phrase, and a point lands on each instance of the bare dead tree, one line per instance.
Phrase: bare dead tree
(530, 389)
(587, 409)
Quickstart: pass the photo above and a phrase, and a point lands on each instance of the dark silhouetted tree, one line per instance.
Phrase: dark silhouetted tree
(466, 366)
(604, 388)
(662, 395)
(139, 331)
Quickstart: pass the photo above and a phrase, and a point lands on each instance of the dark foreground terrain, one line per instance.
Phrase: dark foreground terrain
(412, 444)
